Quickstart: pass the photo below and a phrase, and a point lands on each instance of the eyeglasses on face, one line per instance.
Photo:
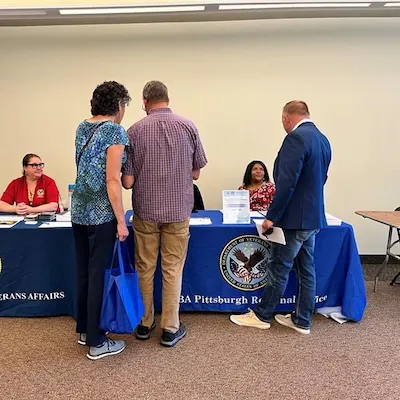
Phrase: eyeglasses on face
(36, 166)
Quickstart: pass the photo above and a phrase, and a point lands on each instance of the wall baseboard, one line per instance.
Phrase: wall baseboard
(376, 259)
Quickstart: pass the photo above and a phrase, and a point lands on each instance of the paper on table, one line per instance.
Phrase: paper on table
(54, 224)
(200, 221)
(11, 218)
(332, 221)
(277, 236)
(65, 217)
(236, 207)
(258, 214)
(7, 224)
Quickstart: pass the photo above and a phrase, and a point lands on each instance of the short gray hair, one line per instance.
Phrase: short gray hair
(155, 92)
(296, 107)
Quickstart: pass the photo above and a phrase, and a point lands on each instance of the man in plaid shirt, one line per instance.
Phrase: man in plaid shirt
(164, 157)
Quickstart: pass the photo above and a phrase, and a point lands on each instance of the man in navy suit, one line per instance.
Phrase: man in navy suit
(300, 173)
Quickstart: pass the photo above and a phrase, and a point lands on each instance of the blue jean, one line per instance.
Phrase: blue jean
(298, 254)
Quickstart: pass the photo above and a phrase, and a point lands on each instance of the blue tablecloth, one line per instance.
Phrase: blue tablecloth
(37, 276)
(38, 270)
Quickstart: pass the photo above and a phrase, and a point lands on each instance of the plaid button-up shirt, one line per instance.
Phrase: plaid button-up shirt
(164, 150)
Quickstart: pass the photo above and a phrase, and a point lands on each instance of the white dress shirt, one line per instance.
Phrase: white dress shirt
(303, 121)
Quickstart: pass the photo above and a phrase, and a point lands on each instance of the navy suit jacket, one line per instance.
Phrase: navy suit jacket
(300, 173)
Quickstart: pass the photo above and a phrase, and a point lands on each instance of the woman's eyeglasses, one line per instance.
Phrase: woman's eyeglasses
(36, 166)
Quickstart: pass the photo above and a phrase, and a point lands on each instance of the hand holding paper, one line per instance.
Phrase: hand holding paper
(277, 235)
(267, 225)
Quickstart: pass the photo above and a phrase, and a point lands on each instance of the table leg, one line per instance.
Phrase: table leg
(395, 279)
(381, 268)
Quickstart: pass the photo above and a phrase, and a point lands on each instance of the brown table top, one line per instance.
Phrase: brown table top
(390, 218)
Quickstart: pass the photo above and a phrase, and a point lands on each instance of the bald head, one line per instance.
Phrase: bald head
(293, 113)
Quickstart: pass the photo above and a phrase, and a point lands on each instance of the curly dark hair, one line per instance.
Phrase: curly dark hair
(249, 168)
(107, 98)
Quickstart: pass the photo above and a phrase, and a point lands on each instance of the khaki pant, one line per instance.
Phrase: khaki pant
(172, 239)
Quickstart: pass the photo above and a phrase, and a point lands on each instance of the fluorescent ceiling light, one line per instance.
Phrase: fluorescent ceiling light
(130, 10)
(17, 13)
(291, 5)
(391, 5)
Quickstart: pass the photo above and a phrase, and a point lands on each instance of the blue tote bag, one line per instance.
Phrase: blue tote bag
(122, 307)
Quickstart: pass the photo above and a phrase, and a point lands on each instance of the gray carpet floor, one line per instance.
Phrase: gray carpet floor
(40, 359)
(388, 273)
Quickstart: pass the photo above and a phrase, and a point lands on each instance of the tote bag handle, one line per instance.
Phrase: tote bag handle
(118, 250)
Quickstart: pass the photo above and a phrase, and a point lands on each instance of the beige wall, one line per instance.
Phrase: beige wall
(232, 80)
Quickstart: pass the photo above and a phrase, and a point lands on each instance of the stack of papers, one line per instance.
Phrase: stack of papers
(8, 221)
(64, 217)
(15, 218)
(332, 221)
(31, 217)
(200, 221)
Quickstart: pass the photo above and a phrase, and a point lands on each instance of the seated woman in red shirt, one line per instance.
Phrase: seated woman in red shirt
(256, 181)
(34, 192)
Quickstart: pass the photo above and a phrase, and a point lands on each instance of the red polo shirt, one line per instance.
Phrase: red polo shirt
(17, 192)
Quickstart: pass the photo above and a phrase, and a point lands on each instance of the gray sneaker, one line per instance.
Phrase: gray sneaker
(170, 339)
(82, 339)
(108, 348)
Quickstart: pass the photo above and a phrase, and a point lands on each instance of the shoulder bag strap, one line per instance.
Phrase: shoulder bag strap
(87, 143)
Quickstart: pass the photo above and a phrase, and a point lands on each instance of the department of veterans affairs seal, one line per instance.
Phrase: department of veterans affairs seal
(243, 262)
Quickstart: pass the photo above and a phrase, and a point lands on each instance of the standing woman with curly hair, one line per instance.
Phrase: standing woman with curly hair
(97, 211)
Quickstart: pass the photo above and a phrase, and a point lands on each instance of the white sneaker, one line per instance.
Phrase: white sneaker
(286, 320)
(249, 319)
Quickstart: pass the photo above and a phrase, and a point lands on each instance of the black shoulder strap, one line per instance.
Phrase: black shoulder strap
(87, 143)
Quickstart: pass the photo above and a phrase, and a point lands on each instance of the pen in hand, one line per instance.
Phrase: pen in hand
(264, 215)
